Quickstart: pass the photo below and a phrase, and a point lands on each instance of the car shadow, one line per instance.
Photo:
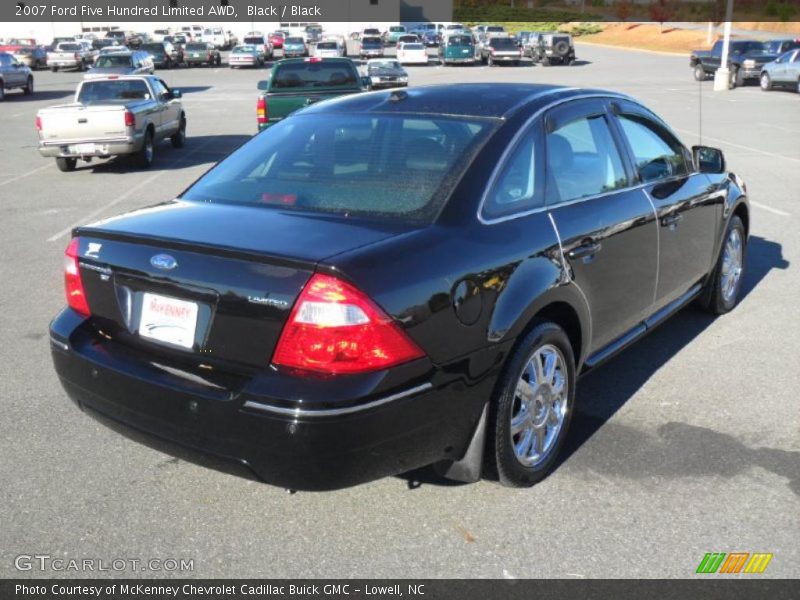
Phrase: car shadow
(603, 391)
(199, 150)
(45, 95)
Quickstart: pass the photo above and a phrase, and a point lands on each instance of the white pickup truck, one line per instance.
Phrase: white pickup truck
(71, 55)
(112, 116)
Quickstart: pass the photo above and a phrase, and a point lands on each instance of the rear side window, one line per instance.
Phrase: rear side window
(518, 187)
(386, 166)
(304, 74)
(657, 154)
(111, 61)
(582, 160)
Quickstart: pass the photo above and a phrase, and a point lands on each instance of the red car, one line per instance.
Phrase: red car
(276, 39)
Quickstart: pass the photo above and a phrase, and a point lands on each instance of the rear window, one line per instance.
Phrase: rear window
(153, 47)
(254, 40)
(70, 47)
(196, 47)
(313, 74)
(372, 43)
(294, 40)
(495, 29)
(111, 60)
(396, 29)
(93, 92)
(386, 166)
(504, 43)
(413, 47)
(460, 40)
(327, 46)
(244, 49)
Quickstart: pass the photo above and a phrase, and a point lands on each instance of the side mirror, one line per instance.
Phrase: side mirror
(177, 94)
(366, 81)
(708, 160)
(263, 85)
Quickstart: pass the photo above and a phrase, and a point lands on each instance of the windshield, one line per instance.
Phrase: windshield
(122, 90)
(374, 165)
(384, 64)
(295, 75)
(111, 61)
(397, 29)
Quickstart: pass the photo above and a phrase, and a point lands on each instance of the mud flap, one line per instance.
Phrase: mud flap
(469, 468)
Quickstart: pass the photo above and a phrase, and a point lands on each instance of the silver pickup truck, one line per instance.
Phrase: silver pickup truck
(112, 116)
(71, 55)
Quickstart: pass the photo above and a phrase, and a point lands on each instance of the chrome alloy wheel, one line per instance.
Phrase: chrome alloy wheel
(731, 265)
(540, 405)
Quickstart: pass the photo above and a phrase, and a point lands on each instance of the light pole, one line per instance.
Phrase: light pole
(722, 77)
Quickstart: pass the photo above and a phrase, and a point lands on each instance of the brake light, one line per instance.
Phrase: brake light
(130, 119)
(38, 123)
(335, 328)
(261, 110)
(77, 56)
(314, 59)
(73, 286)
(492, 51)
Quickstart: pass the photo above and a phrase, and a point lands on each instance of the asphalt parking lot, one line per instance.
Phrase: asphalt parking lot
(686, 444)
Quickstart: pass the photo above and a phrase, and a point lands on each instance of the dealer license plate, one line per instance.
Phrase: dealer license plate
(82, 149)
(168, 320)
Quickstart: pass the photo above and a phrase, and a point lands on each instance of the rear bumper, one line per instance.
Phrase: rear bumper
(415, 423)
(115, 147)
(64, 64)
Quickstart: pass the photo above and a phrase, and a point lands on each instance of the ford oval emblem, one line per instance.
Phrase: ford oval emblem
(164, 262)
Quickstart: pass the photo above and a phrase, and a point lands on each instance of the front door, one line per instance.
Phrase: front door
(607, 228)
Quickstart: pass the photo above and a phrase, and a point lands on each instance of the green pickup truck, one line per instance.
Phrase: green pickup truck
(296, 83)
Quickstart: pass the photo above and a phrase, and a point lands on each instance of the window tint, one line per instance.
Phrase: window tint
(386, 166)
(5, 60)
(657, 154)
(516, 188)
(582, 160)
(314, 74)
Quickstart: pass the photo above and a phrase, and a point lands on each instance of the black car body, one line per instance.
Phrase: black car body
(386, 73)
(376, 282)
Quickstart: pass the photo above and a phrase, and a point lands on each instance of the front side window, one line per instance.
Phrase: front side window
(383, 166)
(657, 154)
(582, 160)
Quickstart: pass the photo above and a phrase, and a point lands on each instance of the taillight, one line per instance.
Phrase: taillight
(335, 328)
(130, 119)
(38, 123)
(76, 297)
(261, 110)
(492, 51)
(77, 56)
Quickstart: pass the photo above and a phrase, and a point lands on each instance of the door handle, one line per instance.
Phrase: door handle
(585, 250)
(671, 220)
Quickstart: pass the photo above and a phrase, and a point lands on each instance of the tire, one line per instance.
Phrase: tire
(539, 412)
(28, 89)
(66, 164)
(178, 139)
(2, 91)
(545, 61)
(490, 60)
(54, 69)
(765, 82)
(699, 73)
(722, 292)
(738, 78)
(144, 158)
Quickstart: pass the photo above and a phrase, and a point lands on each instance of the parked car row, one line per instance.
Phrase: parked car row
(773, 63)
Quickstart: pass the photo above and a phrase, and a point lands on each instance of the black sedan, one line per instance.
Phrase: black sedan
(386, 73)
(396, 279)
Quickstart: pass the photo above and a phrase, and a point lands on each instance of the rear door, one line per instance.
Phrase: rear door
(607, 228)
(688, 212)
